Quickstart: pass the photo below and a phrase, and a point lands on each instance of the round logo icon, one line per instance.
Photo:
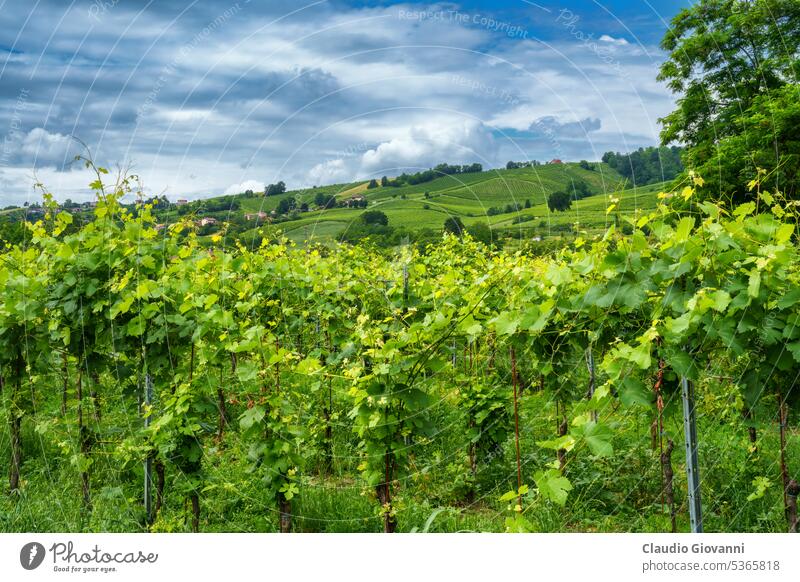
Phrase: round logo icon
(31, 555)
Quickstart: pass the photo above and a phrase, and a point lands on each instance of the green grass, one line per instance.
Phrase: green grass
(589, 213)
(318, 231)
(267, 203)
(468, 196)
(617, 494)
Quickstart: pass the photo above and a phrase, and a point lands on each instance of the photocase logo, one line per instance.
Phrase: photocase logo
(31, 555)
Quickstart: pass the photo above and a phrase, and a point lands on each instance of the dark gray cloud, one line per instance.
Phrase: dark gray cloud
(202, 95)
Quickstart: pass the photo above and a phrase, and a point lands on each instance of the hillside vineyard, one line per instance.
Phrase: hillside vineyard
(261, 383)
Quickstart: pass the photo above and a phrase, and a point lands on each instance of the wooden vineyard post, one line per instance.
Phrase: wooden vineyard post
(85, 444)
(328, 413)
(405, 287)
(514, 381)
(148, 462)
(668, 489)
(562, 428)
(16, 439)
(791, 500)
(65, 385)
(692, 465)
(783, 413)
(592, 380)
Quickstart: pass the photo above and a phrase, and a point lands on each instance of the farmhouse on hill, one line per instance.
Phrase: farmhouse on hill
(357, 201)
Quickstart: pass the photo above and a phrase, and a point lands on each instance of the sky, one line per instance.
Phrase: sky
(202, 98)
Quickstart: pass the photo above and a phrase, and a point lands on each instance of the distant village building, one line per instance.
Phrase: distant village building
(355, 201)
(556, 161)
(206, 220)
(260, 215)
(182, 202)
(160, 226)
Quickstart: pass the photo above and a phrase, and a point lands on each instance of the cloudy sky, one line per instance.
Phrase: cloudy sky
(202, 98)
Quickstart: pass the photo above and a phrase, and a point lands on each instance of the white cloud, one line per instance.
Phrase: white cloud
(331, 172)
(45, 148)
(420, 147)
(612, 40)
(424, 146)
(254, 185)
(17, 184)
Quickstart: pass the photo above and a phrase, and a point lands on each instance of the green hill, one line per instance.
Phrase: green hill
(490, 197)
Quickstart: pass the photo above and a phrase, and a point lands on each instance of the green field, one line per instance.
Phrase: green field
(267, 203)
(467, 196)
(481, 197)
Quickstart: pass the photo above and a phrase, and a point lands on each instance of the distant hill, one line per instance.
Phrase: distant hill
(511, 202)
(512, 199)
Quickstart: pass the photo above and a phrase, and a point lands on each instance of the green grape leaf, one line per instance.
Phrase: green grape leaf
(553, 486)
(252, 416)
(597, 437)
(633, 391)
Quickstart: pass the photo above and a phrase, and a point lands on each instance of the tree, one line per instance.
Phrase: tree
(580, 189)
(481, 231)
(724, 57)
(559, 201)
(248, 192)
(518, 165)
(586, 165)
(384, 181)
(275, 189)
(286, 205)
(373, 225)
(768, 141)
(454, 225)
(647, 165)
(528, 203)
(375, 217)
(372, 184)
(325, 200)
